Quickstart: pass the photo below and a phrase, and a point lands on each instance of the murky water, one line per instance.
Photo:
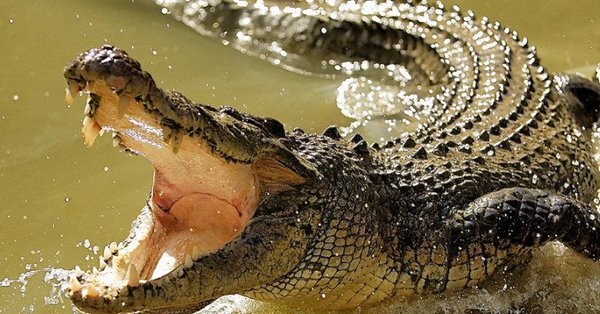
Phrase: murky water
(61, 201)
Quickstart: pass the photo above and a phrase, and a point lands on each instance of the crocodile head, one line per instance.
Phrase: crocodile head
(220, 218)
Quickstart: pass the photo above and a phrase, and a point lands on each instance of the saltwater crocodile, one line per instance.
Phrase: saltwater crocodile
(501, 164)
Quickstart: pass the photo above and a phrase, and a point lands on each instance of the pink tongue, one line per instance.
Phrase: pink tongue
(196, 220)
(203, 214)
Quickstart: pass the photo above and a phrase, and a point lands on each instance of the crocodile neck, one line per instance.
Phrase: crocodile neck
(495, 117)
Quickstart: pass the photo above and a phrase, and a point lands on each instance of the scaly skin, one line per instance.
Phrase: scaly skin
(502, 164)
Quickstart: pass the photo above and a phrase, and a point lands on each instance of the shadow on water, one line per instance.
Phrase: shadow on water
(59, 199)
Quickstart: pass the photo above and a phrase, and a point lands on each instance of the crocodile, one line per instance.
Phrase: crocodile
(499, 164)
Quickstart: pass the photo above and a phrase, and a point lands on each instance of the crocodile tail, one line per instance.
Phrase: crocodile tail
(587, 94)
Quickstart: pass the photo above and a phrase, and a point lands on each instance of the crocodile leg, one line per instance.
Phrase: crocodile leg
(505, 225)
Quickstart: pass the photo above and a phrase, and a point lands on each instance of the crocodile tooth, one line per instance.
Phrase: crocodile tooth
(89, 291)
(71, 92)
(90, 131)
(114, 262)
(78, 271)
(69, 99)
(176, 140)
(88, 109)
(196, 253)
(74, 284)
(113, 247)
(132, 276)
(107, 253)
(102, 264)
(94, 270)
(167, 134)
(123, 104)
(116, 141)
(119, 264)
(120, 246)
(188, 262)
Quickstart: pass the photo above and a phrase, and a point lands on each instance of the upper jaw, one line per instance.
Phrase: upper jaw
(111, 76)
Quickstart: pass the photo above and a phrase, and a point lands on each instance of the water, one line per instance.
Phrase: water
(56, 194)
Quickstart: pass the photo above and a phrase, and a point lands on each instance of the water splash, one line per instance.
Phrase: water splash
(23, 280)
(56, 280)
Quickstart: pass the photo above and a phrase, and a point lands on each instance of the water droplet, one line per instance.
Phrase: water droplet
(11, 21)
(593, 217)
(67, 199)
(105, 168)
(323, 295)
(164, 11)
(534, 179)
(86, 244)
(154, 52)
(16, 97)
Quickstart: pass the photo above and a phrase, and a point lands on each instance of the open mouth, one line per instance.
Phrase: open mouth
(200, 199)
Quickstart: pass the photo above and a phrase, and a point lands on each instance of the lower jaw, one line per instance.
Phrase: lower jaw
(162, 242)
